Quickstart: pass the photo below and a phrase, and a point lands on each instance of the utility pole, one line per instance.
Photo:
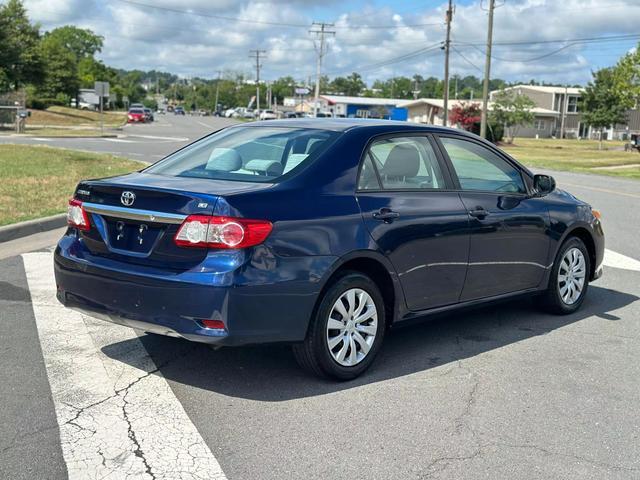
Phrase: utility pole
(487, 73)
(320, 30)
(447, 45)
(257, 54)
(217, 89)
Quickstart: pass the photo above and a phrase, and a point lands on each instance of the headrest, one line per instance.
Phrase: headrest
(403, 161)
(224, 160)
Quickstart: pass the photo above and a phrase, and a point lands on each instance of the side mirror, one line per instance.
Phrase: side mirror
(544, 184)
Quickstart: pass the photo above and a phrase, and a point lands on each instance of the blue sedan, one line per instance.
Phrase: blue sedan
(322, 234)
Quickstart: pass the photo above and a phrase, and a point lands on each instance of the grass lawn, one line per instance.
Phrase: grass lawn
(72, 117)
(576, 156)
(36, 181)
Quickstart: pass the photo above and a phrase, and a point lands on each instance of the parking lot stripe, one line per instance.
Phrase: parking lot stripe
(617, 260)
(118, 416)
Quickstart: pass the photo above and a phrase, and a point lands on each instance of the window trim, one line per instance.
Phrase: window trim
(428, 136)
(524, 174)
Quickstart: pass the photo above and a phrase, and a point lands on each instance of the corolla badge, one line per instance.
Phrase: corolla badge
(127, 198)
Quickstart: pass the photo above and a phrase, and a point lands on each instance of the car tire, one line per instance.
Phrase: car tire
(572, 263)
(320, 354)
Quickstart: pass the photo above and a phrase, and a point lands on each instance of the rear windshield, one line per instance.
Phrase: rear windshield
(255, 154)
(136, 110)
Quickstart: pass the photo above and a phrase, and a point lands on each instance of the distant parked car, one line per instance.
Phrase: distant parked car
(268, 115)
(178, 111)
(248, 113)
(230, 112)
(292, 115)
(203, 113)
(136, 115)
(148, 115)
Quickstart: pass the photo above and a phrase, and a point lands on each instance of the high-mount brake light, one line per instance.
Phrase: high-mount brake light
(222, 232)
(77, 216)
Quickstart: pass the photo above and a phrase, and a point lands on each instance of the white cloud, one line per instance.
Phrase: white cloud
(140, 37)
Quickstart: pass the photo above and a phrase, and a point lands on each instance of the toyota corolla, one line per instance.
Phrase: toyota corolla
(322, 234)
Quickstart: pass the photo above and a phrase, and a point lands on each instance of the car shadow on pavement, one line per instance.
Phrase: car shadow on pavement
(270, 373)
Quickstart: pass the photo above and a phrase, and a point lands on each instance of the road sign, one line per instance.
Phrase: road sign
(302, 91)
(102, 89)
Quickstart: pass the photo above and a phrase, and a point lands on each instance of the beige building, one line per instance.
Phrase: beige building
(431, 112)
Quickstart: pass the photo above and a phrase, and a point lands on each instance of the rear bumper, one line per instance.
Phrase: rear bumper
(274, 306)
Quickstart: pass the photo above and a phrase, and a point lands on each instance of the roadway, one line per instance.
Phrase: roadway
(499, 392)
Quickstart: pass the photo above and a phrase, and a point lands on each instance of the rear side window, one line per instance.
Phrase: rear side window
(402, 163)
(478, 168)
(256, 154)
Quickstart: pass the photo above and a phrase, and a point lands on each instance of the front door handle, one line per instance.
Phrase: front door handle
(386, 215)
(479, 212)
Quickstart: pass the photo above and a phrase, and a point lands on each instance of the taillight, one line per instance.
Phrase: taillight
(77, 216)
(221, 232)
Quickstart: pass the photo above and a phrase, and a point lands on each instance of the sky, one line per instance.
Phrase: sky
(376, 38)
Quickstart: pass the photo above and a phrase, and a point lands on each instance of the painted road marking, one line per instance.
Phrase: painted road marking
(118, 417)
(604, 190)
(118, 140)
(617, 260)
(154, 137)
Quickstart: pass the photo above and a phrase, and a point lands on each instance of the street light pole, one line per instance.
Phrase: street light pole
(257, 54)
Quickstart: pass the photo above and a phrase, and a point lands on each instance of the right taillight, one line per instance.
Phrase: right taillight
(77, 216)
(221, 232)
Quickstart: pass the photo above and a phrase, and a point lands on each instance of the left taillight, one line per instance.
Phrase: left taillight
(222, 232)
(77, 216)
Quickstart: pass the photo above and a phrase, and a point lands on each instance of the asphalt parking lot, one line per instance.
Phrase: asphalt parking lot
(499, 392)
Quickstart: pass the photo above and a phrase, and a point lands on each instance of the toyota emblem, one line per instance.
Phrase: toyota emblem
(127, 198)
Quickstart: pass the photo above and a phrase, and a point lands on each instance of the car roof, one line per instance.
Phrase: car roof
(347, 124)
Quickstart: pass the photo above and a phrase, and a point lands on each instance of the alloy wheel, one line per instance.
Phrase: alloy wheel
(352, 327)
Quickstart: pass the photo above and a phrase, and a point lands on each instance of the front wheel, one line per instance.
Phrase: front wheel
(569, 278)
(347, 329)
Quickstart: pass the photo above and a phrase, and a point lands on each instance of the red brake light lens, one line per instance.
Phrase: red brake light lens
(77, 216)
(221, 232)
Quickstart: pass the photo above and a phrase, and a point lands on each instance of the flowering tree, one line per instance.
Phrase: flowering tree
(465, 115)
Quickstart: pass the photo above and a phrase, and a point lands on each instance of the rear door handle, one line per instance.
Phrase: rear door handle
(386, 215)
(479, 212)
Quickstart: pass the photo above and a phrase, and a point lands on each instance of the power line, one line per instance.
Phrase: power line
(263, 22)
(629, 36)
(391, 60)
(466, 59)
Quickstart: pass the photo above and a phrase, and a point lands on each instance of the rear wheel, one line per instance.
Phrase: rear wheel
(569, 279)
(346, 331)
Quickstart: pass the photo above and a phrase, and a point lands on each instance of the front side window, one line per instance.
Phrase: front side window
(402, 163)
(254, 154)
(478, 168)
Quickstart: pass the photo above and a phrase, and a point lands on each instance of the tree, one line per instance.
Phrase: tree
(20, 62)
(465, 115)
(602, 103)
(61, 80)
(352, 85)
(512, 111)
(79, 41)
(627, 78)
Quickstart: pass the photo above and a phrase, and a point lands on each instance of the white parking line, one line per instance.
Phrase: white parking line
(117, 418)
(617, 260)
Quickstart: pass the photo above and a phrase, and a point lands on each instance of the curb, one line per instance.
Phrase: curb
(32, 135)
(22, 229)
